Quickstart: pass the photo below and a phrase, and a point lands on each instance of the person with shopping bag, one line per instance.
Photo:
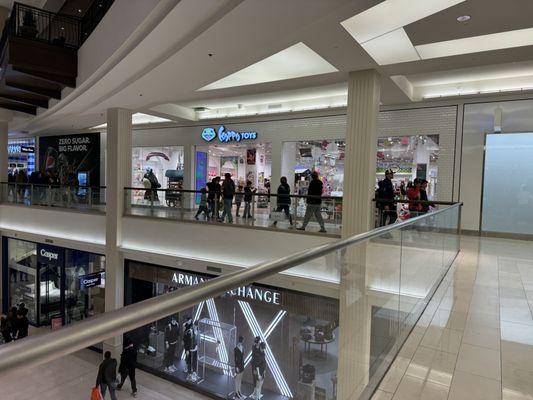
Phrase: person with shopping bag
(107, 376)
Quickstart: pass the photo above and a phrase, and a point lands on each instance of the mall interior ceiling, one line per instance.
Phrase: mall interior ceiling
(213, 59)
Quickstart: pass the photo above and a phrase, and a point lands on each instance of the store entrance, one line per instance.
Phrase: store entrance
(245, 162)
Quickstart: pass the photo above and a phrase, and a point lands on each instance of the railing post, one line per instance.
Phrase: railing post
(254, 197)
(152, 201)
(49, 196)
(16, 194)
(32, 194)
(90, 197)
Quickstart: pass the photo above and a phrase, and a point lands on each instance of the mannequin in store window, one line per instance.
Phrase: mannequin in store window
(239, 367)
(172, 332)
(258, 367)
(190, 344)
(154, 185)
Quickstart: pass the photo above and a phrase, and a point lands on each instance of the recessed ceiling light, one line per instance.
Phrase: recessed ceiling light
(463, 18)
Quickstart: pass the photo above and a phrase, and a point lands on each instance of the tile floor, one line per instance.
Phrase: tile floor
(72, 377)
(475, 339)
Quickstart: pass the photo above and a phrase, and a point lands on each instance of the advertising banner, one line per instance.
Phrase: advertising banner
(78, 154)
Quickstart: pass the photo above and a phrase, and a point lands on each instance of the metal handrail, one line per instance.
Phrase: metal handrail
(298, 196)
(40, 349)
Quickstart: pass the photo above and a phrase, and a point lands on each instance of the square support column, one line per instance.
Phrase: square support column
(359, 182)
(118, 176)
(3, 178)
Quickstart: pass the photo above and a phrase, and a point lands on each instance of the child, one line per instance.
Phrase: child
(238, 199)
(248, 192)
(203, 205)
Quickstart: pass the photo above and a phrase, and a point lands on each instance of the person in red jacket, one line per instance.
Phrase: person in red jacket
(413, 194)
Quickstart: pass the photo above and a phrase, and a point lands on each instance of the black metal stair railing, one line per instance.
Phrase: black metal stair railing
(33, 23)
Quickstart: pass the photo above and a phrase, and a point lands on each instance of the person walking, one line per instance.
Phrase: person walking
(213, 195)
(314, 201)
(202, 208)
(128, 363)
(107, 376)
(6, 329)
(284, 199)
(238, 200)
(387, 206)
(228, 192)
(248, 193)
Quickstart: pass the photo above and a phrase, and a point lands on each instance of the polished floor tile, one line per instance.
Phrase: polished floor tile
(477, 342)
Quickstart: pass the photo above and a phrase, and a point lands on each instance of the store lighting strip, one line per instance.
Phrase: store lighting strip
(474, 92)
(277, 319)
(271, 361)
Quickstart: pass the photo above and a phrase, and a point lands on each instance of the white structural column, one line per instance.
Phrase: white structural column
(276, 171)
(359, 176)
(118, 176)
(360, 156)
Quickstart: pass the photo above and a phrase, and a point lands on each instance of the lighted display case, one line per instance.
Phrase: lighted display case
(217, 341)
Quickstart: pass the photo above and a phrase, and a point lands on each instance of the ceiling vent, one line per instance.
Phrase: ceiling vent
(274, 106)
(200, 108)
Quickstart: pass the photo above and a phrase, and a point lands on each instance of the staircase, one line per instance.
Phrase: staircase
(39, 54)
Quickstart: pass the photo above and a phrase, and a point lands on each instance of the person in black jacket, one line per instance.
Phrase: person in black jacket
(387, 208)
(424, 197)
(107, 376)
(21, 326)
(5, 329)
(228, 191)
(248, 195)
(128, 362)
(314, 200)
(284, 199)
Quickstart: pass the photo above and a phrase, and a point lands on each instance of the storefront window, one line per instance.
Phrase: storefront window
(22, 276)
(409, 157)
(57, 285)
(324, 156)
(299, 332)
(165, 162)
(85, 285)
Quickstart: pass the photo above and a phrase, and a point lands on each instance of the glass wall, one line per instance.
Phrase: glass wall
(299, 332)
(324, 156)
(508, 184)
(409, 157)
(55, 284)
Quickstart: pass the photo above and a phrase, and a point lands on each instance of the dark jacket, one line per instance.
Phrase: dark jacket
(213, 189)
(424, 197)
(107, 372)
(189, 339)
(315, 190)
(248, 194)
(228, 190)
(239, 360)
(284, 192)
(128, 359)
(21, 327)
(385, 192)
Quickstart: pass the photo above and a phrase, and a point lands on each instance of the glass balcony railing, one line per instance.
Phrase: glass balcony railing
(336, 338)
(84, 198)
(257, 210)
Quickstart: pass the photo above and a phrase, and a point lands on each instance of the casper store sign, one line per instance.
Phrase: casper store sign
(49, 254)
(250, 292)
(91, 280)
(226, 136)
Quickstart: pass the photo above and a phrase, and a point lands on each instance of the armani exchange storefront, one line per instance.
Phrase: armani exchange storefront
(57, 285)
(289, 345)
